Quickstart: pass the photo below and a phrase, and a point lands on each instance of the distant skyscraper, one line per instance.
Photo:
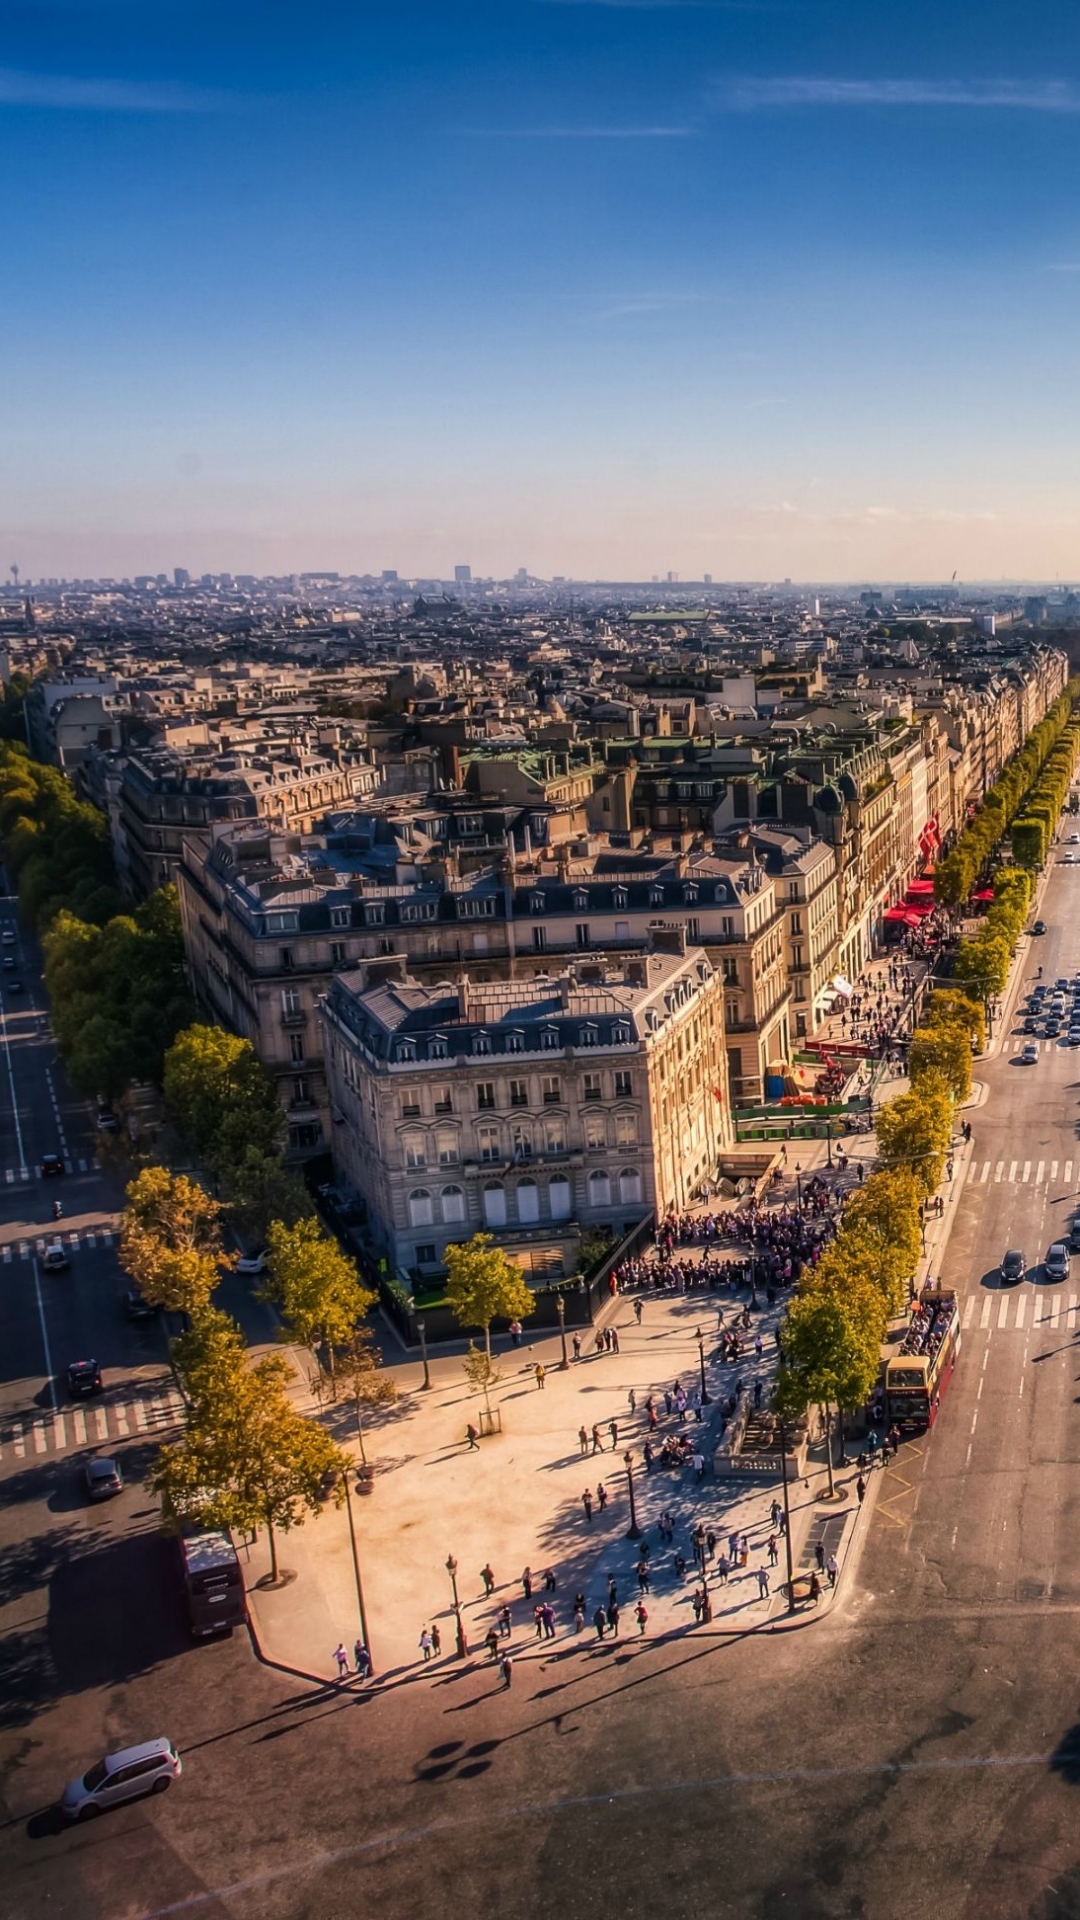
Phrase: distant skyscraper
(707, 577)
(463, 575)
(181, 577)
(671, 579)
(522, 576)
(389, 576)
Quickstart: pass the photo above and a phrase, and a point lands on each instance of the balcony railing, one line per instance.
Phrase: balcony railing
(297, 1019)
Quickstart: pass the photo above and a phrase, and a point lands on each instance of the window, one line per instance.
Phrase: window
(581, 900)
(286, 959)
(629, 1187)
(796, 956)
(453, 1205)
(595, 1131)
(443, 1099)
(554, 1136)
(340, 916)
(471, 823)
(539, 939)
(426, 1255)
(519, 1093)
(419, 910)
(515, 1041)
(522, 1140)
(290, 1002)
(481, 1043)
(536, 904)
(437, 1047)
(301, 1092)
(485, 1094)
(549, 1037)
(591, 1088)
(446, 1145)
(793, 890)
(386, 944)
(624, 1085)
(552, 1089)
(732, 1013)
(494, 1205)
(626, 1130)
(587, 1036)
(656, 896)
(619, 897)
(620, 1034)
(337, 953)
(281, 923)
(528, 1202)
(599, 1189)
(796, 923)
(622, 929)
(730, 969)
(404, 1050)
(296, 1048)
(727, 925)
(301, 1139)
(560, 1203)
(487, 1139)
(581, 933)
(693, 928)
(374, 913)
(414, 1147)
(421, 1210)
(410, 1104)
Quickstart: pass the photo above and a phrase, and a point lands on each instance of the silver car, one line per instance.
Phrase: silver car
(126, 1775)
(1056, 1264)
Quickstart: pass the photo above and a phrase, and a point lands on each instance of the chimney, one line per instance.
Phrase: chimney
(464, 1000)
(567, 983)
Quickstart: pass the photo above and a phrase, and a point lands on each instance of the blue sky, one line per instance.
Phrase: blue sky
(598, 287)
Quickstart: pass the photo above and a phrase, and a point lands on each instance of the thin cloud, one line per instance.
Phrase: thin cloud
(580, 133)
(804, 90)
(66, 94)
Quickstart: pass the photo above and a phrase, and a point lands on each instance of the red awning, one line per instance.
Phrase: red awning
(984, 893)
(896, 913)
(919, 911)
(920, 888)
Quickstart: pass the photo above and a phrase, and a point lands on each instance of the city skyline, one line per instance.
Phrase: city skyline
(616, 288)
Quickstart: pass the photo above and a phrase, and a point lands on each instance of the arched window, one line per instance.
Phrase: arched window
(453, 1205)
(629, 1187)
(528, 1202)
(421, 1211)
(599, 1189)
(559, 1197)
(494, 1205)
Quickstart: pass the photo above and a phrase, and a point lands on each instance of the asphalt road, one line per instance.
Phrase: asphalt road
(916, 1753)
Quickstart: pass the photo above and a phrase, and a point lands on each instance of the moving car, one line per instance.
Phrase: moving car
(51, 1163)
(103, 1477)
(54, 1259)
(1031, 1023)
(7, 937)
(1039, 927)
(9, 962)
(136, 1308)
(107, 1121)
(1031, 1051)
(14, 986)
(1013, 1267)
(252, 1262)
(84, 1378)
(1074, 1235)
(1056, 1264)
(126, 1775)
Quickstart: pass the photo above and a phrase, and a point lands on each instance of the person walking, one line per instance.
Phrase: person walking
(641, 1615)
(722, 1569)
(773, 1550)
(506, 1668)
(613, 1429)
(547, 1615)
(363, 1660)
(550, 1582)
(472, 1438)
(612, 1588)
(819, 1555)
(505, 1622)
(597, 1443)
(342, 1659)
(488, 1578)
(614, 1339)
(613, 1618)
(491, 1642)
(643, 1576)
(515, 1333)
(763, 1583)
(601, 1495)
(586, 1501)
(599, 1621)
(583, 1440)
(832, 1569)
(815, 1589)
(860, 1488)
(744, 1550)
(526, 1583)
(631, 1400)
(579, 1618)
(576, 1344)
(538, 1621)
(424, 1643)
(638, 1310)
(541, 1374)
(436, 1639)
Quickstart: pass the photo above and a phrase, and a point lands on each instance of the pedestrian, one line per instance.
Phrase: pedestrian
(699, 1467)
(599, 1348)
(613, 1617)
(505, 1622)
(860, 1488)
(697, 1604)
(710, 1542)
(550, 1582)
(586, 1501)
(472, 1437)
(613, 1429)
(773, 1549)
(491, 1642)
(599, 1621)
(576, 1344)
(722, 1567)
(515, 1333)
(583, 1439)
(506, 1668)
(547, 1616)
(363, 1660)
(601, 1495)
(832, 1569)
(612, 1588)
(815, 1589)
(733, 1547)
(436, 1639)
(667, 1401)
(638, 1310)
(607, 1338)
(744, 1550)
(342, 1659)
(579, 1618)
(632, 1402)
(775, 1511)
(538, 1621)
(680, 1564)
(614, 1339)
(526, 1582)
(541, 1374)
(641, 1615)
(819, 1555)
(597, 1443)
(763, 1583)
(894, 1439)
(424, 1643)
(643, 1576)
(488, 1579)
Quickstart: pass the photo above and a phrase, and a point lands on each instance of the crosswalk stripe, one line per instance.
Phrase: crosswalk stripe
(41, 1444)
(78, 1421)
(984, 1318)
(1036, 1311)
(968, 1313)
(999, 1170)
(1003, 1311)
(121, 1419)
(1053, 1170)
(102, 1423)
(1026, 1175)
(59, 1431)
(1021, 1309)
(20, 1444)
(1071, 1308)
(1012, 1174)
(1039, 1173)
(985, 1174)
(1054, 1313)
(140, 1415)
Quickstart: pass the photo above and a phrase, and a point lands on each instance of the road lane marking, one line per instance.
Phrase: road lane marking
(140, 1415)
(78, 1421)
(969, 1310)
(1053, 1171)
(985, 1174)
(1012, 1173)
(1039, 1173)
(1003, 1318)
(120, 1413)
(20, 1443)
(1026, 1175)
(1054, 1314)
(998, 1170)
(102, 1420)
(1071, 1308)
(41, 1444)
(1037, 1310)
(1067, 1175)
(1021, 1306)
(984, 1318)
(59, 1431)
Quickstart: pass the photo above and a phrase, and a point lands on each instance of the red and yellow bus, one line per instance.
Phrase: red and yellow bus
(916, 1378)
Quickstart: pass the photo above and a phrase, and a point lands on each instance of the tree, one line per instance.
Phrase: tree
(831, 1351)
(914, 1131)
(118, 993)
(883, 1216)
(954, 877)
(210, 1357)
(170, 1240)
(221, 1098)
(360, 1374)
(944, 1049)
(983, 965)
(945, 1006)
(259, 1189)
(481, 1372)
(315, 1285)
(250, 1460)
(483, 1285)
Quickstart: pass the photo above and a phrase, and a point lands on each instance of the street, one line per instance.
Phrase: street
(913, 1753)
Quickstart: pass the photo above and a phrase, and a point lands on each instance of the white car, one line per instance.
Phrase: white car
(126, 1775)
(252, 1262)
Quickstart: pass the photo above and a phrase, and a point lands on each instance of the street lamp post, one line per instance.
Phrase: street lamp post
(787, 1519)
(422, 1331)
(356, 1574)
(560, 1308)
(798, 1182)
(828, 1138)
(700, 1338)
(462, 1643)
(635, 1530)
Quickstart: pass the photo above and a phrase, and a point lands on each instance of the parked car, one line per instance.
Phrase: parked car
(103, 1477)
(106, 1121)
(136, 1308)
(1074, 1235)
(1013, 1267)
(1056, 1264)
(84, 1378)
(126, 1775)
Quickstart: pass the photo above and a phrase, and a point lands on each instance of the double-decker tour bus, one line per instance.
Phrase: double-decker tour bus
(916, 1377)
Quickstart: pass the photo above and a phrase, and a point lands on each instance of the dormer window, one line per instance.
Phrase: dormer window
(581, 900)
(481, 1043)
(405, 1050)
(656, 896)
(437, 1047)
(690, 896)
(536, 904)
(587, 1036)
(549, 1038)
(515, 1041)
(340, 916)
(619, 897)
(375, 914)
(282, 923)
(620, 1033)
